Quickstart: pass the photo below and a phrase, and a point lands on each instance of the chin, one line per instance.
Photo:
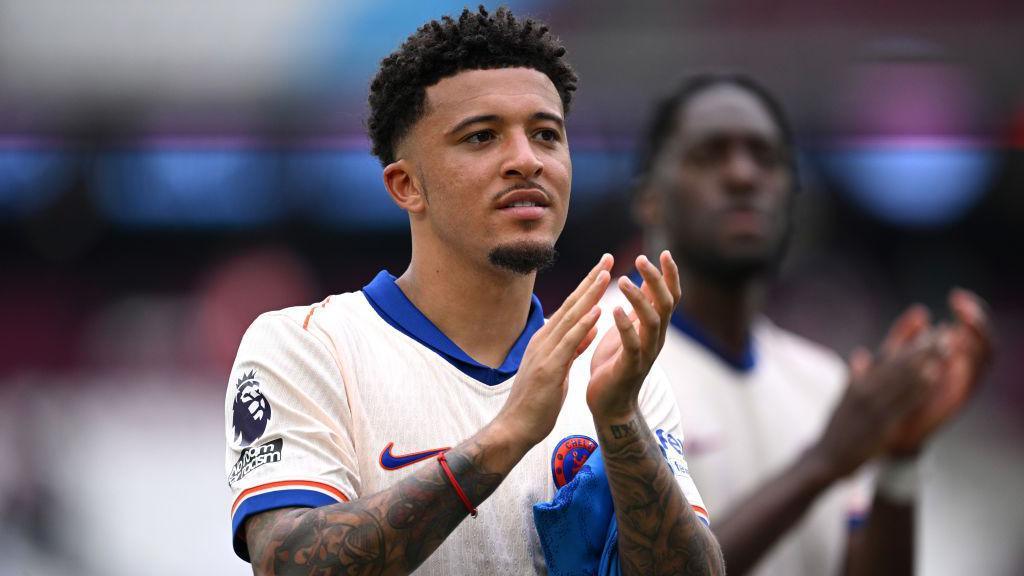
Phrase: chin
(523, 256)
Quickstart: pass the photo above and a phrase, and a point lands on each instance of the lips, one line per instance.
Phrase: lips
(527, 198)
(744, 221)
(526, 204)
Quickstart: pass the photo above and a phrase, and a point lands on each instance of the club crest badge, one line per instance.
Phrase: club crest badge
(569, 456)
(251, 410)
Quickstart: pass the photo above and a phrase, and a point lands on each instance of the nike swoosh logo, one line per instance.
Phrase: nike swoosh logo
(389, 461)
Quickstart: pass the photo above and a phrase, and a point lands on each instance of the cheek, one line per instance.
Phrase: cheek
(782, 197)
(558, 173)
(560, 166)
(448, 184)
(689, 201)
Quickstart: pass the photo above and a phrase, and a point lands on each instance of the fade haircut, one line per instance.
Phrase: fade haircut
(440, 49)
(665, 119)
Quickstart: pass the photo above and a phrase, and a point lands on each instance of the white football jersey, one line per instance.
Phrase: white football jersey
(748, 418)
(345, 398)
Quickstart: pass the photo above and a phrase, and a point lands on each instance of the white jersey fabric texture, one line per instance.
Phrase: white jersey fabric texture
(332, 402)
(746, 419)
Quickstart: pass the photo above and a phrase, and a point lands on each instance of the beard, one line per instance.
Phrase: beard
(731, 270)
(735, 266)
(523, 257)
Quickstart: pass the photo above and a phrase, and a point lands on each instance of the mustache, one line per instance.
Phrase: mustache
(527, 185)
(746, 207)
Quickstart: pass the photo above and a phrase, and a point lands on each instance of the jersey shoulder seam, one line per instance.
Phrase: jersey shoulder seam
(310, 334)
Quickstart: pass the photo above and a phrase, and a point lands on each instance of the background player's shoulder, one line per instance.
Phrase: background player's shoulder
(800, 366)
(797, 348)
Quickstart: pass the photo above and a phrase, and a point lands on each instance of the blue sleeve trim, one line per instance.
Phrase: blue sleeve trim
(855, 522)
(271, 501)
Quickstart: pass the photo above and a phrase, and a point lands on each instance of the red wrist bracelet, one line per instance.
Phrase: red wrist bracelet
(455, 484)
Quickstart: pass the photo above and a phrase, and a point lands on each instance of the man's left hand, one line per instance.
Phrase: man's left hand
(969, 354)
(624, 356)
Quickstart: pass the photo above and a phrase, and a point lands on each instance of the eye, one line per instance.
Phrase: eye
(480, 137)
(707, 153)
(768, 155)
(548, 135)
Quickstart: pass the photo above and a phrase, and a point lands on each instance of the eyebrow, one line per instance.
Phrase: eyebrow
(549, 116)
(713, 135)
(484, 118)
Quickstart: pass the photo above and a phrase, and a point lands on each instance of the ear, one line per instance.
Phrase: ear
(404, 188)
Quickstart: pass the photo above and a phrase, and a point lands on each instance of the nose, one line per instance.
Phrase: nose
(521, 160)
(741, 170)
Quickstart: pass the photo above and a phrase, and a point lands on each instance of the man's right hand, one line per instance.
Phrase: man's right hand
(535, 401)
(881, 393)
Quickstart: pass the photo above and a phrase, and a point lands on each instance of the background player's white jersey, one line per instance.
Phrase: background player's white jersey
(344, 399)
(747, 419)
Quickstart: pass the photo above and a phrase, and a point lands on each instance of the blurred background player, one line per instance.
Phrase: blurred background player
(363, 430)
(775, 424)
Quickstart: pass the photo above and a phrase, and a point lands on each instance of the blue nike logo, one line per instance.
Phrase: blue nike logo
(389, 461)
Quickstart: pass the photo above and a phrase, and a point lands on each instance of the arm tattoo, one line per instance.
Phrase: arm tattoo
(623, 430)
(658, 534)
(391, 532)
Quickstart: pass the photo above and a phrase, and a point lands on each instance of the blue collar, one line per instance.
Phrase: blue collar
(744, 363)
(388, 300)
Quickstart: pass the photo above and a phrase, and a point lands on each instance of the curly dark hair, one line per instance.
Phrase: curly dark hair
(439, 49)
(664, 122)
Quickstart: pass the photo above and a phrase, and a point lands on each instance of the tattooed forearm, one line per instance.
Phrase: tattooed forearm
(623, 430)
(391, 532)
(658, 534)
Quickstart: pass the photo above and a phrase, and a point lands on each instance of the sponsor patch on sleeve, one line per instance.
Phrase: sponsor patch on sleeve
(253, 457)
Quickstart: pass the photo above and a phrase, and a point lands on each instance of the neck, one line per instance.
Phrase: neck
(482, 309)
(725, 311)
